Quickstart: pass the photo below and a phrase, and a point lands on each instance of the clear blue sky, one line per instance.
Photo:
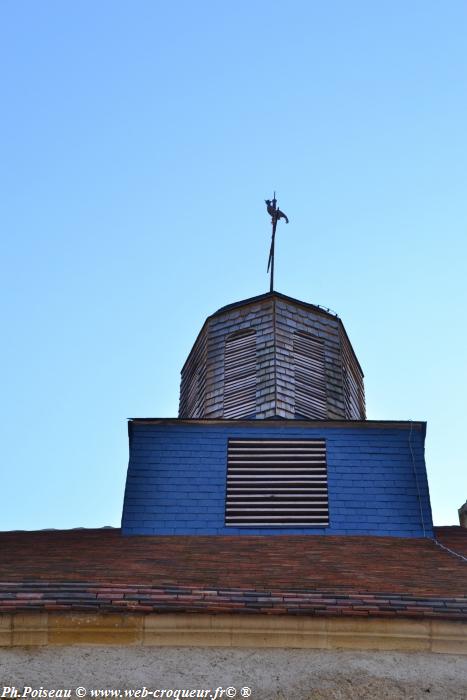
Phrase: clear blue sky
(138, 142)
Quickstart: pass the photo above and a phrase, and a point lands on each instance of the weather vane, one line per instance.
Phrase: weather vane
(275, 213)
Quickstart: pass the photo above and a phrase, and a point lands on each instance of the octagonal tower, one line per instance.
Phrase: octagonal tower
(272, 356)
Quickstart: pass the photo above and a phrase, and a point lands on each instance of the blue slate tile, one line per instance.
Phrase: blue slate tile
(177, 479)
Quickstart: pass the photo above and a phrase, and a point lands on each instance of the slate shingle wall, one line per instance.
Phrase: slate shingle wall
(177, 478)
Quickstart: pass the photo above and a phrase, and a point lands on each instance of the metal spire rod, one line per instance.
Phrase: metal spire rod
(275, 214)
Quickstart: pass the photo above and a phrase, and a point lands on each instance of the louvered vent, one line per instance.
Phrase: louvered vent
(277, 483)
(310, 376)
(193, 386)
(352, 394)
(240, 375)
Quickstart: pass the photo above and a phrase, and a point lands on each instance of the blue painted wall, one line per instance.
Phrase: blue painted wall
(177, 477)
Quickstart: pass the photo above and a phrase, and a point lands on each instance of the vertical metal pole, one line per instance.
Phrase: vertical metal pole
(274, 224)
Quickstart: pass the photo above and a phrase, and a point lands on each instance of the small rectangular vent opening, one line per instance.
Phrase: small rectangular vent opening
(240, 375)
(310, 376)
(279, 483)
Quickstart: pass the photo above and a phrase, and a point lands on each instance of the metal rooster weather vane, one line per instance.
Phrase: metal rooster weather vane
(275, 213)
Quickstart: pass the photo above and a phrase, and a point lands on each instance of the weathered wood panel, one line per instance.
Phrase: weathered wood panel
(310, 376)
(251, 317)
(193, 382)
(291, 319)
(353, 381)
(304, 365)
(240, 375)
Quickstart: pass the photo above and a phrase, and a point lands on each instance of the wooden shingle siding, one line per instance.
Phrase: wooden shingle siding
(310, 376)
(329, 386)
(352, 394)
(193, 385)
(252, 318)
(276, 482)
(291, 320)
(240, 375)
(353, 382)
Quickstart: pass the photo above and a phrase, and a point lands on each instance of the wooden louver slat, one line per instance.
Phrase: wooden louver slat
(193, 386)
(353, 400)
(240, 375)
(279, 483)
(310, 376)
(353, 383)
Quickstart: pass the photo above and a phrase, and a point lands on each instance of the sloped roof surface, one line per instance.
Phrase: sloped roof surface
(100, 570)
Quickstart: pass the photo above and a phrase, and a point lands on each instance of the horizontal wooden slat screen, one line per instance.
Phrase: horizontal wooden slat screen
(352, 394)
(240, 375)
(354, 391)
(277, 483)
(193, 386)
(310, 376)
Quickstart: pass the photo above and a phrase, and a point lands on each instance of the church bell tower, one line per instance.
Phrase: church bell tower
(272, 356)
(272, 436)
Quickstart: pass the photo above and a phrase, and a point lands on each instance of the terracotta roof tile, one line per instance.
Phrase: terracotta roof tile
(100, 570)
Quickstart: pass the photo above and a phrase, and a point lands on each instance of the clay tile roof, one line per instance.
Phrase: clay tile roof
(99, 570)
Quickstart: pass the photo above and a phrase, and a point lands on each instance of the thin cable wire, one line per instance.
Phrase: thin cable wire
(451, 551)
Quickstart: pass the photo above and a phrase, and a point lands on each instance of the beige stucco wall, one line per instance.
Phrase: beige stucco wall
(292, 674)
